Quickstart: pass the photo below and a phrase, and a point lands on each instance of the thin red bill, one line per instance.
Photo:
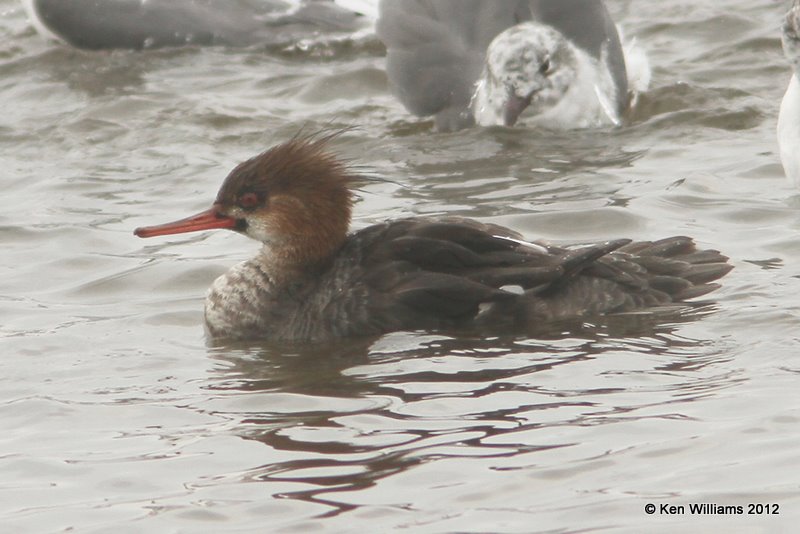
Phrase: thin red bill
(206, 220)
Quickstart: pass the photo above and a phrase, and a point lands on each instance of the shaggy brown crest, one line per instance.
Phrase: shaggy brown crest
(295, 197)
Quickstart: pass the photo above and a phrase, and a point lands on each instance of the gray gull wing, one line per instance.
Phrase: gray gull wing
(137, 24)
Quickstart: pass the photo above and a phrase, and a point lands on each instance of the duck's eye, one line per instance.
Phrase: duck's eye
(545, 67)
(248, 200)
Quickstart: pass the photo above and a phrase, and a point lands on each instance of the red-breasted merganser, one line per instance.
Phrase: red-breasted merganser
(312, 281)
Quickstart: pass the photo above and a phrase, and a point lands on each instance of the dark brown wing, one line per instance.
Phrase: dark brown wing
(457, 273)
(635, 276)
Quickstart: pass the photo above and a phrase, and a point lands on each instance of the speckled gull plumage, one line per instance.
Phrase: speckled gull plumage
(555, 63)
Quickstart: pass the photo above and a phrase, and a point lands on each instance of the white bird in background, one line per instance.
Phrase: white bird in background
(533, 68)
(550, 63)
(789, 116)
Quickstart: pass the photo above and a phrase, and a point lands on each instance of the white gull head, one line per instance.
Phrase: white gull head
(533, 68)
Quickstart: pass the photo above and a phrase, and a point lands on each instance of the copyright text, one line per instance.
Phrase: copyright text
(712, 509)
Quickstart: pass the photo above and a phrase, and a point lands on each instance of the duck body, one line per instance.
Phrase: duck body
(453, 274)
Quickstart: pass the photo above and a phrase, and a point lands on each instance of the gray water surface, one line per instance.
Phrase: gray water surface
(118, 416)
